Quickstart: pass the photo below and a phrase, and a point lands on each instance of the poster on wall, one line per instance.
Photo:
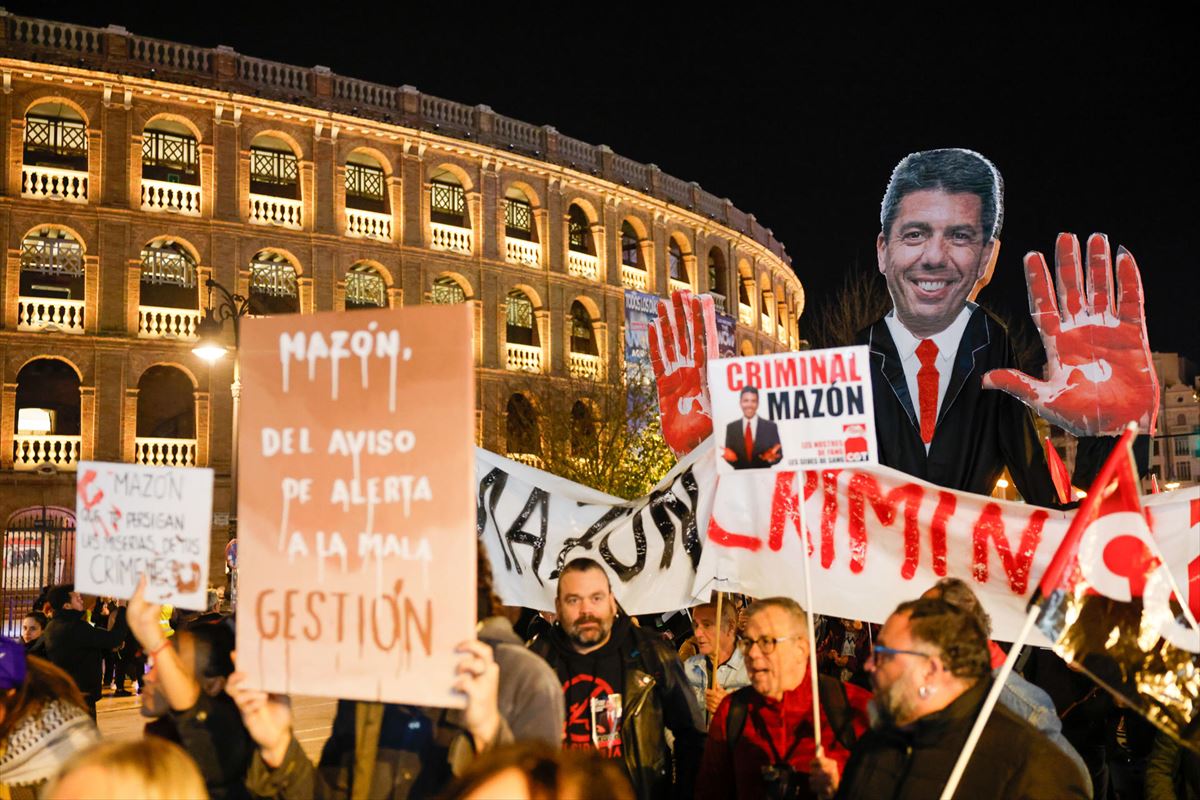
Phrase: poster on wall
(726, 336)
(793, 411)
(356, 513)
(641, 310)
(133, 520)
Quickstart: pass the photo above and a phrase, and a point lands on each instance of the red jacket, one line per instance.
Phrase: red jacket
(725, 774)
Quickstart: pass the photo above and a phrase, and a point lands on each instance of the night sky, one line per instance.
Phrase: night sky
(1092, 120)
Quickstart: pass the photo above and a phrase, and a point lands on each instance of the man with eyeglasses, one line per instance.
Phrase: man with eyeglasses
(931, 673)
(760, 742)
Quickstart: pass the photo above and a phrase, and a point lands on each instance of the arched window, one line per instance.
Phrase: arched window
(51, 292)
(166, 418)
(274, 168)
(275, 183)
(170, 153)
(273, 287)
(447, 291)
(579, 233)
(717, 277)
(168, 275)
(365, 184)
(744, 292)
(55, 154)
(520, 326)
(522, 437)
(583, 338)
(675, 265)
(365, 288)
(518, 216)
(747, 347)
(48, 416)
(447, 200)
(583, 431)
(631, 251)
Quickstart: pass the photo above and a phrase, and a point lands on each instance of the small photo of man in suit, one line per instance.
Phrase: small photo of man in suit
(752, 442)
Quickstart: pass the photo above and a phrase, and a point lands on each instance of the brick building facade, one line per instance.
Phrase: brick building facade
(135, 169)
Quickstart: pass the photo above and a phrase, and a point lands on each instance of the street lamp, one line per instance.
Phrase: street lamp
(210, 348)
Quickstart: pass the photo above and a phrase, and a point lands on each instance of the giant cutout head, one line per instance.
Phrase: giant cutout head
(939, 235)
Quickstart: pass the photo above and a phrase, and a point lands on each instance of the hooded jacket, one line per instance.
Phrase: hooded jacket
(655, 696)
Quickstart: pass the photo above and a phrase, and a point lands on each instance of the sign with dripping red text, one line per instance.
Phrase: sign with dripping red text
(880, 537)
(357, 553)
(791, 411)
(133, 520)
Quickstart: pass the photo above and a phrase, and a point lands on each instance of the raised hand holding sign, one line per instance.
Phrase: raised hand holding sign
(682, 340)
(1099, 373)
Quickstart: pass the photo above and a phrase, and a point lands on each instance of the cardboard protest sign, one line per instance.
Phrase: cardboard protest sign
(132, 519)
(789, 411)
(357, 547)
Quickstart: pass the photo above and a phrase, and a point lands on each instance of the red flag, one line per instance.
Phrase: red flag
(1109, 605)
(1058, 473)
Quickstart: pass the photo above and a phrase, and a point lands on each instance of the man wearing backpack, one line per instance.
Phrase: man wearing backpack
(760, 742)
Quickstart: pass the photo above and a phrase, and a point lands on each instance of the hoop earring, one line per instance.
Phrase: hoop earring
(924, 692)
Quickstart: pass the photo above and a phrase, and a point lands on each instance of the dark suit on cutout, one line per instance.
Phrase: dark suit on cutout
(766, 437)
(978, 432)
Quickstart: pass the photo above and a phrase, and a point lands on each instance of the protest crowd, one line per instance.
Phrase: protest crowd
(596, 704)
(717, 700)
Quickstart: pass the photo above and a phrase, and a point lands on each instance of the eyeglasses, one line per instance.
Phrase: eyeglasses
(765, 643)
(882, 653)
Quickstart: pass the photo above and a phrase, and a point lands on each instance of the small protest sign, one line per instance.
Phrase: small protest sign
(132, 519)
(793, 411)
(356, 512)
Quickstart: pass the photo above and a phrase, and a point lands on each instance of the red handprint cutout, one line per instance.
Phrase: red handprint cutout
(682, 340)
(1099, 374)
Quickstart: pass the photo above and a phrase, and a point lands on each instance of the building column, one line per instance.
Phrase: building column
(87, 423)
(8, 424)
(203, 428)
(129, 426)
(474, 201)
(12, 289)
(133, 297)
(91, 294)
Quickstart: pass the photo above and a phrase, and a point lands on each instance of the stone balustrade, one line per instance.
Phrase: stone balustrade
(523, 358)
(60, 452)
(54, 183)
(583, 265)
(368, 224)
(586, 366)
(180, 198)
(49, 314)
(281, 211)
(159, 322)
(159, 452)
(451, 238)
(634, 278)
(520, 251)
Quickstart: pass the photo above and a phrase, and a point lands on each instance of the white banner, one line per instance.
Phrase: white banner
(880, 537)
(532, 523)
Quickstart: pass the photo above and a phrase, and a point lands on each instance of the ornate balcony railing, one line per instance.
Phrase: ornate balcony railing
(281, 211)
(523, 358)
(767, 324)
(680, 286)
(53, 183)
(519, 251)
(181, 198)
(718, 302)
(49, 314)
(586, 366)
(118, 52)
(583, 265)
(634, 278)
(61, 452)
(745, 314)
(368, 224)
(159, 322)
(164, 452)
(451, 237)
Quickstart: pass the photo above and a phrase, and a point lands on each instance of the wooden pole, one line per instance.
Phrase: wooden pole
(808, 612)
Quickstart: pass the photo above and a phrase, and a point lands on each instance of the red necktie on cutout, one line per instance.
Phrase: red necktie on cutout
(927, 387)
(749, 442)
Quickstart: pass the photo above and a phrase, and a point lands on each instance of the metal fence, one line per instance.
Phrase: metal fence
(37, 549)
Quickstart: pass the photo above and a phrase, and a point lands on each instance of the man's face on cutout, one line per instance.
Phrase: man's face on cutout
(933, 256)
(749, 402)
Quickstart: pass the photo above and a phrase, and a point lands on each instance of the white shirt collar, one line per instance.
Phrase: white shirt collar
(947, 340)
